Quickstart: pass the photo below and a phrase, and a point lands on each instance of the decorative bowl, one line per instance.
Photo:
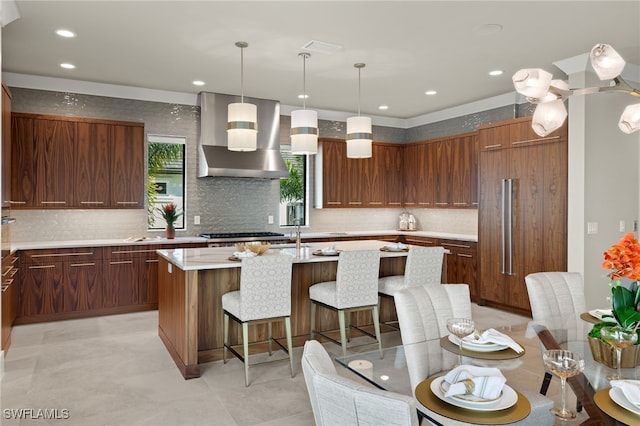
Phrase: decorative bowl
(258, 247)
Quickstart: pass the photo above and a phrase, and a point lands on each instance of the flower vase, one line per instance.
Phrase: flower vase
(170, 232)
(605, 354)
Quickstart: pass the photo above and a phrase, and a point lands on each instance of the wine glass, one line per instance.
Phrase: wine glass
(563, 364)
(619, 338)
(460, 327)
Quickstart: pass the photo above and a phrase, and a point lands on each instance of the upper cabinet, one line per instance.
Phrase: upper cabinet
(69, 162)
(5, 189)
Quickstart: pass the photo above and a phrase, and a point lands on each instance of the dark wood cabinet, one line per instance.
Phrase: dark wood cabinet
(523, 191)
(462, 264)
(71, 162)
(82, 284)
(391, 168)
(5, 188)
(333, 158)
(9, 299)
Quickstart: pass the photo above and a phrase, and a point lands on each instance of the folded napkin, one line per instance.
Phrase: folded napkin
(330, 249)
(491, 335)
(630, 389)
(396, 246)
(246, 253)
(482, 382)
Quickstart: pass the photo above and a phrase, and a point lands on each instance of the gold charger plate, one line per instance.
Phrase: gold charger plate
(507, 353)
(606, 404)
(517, 412)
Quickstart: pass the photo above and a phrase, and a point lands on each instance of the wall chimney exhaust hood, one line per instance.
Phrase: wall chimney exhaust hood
(216, 160)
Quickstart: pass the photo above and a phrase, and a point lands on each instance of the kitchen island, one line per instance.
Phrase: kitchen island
(191, 283)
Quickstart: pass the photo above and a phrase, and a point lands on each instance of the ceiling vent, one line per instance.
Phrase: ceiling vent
(321, 47)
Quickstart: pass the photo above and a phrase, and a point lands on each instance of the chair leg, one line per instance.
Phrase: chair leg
(312, 320)
(376, 325)
(545, 383)
(270, 334)
(287, 326)
(225, 322)
(343, 332)
(347, 325)
(245, 346)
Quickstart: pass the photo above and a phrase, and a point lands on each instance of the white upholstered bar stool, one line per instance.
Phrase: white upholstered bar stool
(424, 266)
(355, 289)
(264, 296)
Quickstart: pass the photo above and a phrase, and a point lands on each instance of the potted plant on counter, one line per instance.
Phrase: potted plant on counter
(170, 214)
(623, 262)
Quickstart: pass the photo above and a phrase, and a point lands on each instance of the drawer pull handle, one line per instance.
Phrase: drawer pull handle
(152, 260)
(63, 254)
(536, 140)
(42, 267)
(464, 255)
(82, 264)
(17, 202)
(355, 202)
(132, 251)
(7, 282)
(129, 203)
(91, 202)
(498, 145)
(53, 202)
(122, 262)
(456, 245)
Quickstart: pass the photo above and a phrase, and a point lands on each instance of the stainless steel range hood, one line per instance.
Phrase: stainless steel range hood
(216, 160)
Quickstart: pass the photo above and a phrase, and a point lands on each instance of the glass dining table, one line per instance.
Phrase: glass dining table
(524, 373)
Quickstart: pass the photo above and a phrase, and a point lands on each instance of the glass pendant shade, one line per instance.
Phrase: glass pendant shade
(359, 137)
(607, 63)
(630, 119)
(548, 117)
(242, 127)
(304, 132)
(532, 83)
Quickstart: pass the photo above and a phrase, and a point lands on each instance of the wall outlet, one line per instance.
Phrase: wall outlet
(196, 220)
(622, 225)
(592, 227)
(270, 219)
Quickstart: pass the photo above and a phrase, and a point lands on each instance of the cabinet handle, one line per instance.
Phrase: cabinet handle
(424, 203)
(374, 203)
(42, 267)
(7, 271)
(455, 245)
(464, 255)
(53, 202)
(75, 265)
(14, 271)
(355, 202)
(409, 203)
(14, 260)
(132, 251)
(152, 260)
(91, 202)
(127, 202)
(89, 253)
(17, 202)
(7, 282)
(334, 202)
(460, 204)
(536, 140)
(442, 204)
(122, 262)
(496, 146)
(394, 203)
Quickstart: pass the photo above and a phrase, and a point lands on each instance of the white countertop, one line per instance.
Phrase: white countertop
(432, 234)
(102, 243)
(218, 257)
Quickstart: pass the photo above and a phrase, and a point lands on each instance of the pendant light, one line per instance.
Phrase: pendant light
(304, 122)
(242, 126)
(359, 130)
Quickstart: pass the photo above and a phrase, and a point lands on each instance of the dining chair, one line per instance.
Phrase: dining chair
(422, 315)
(337, 400)
(556, 299)
(264, 296)
(424, 266)
(354, 289)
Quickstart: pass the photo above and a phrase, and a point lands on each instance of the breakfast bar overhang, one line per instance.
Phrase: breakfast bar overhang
(191, 283)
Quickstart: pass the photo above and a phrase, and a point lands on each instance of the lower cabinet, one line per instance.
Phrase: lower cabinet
(9, 299)
(58, 284)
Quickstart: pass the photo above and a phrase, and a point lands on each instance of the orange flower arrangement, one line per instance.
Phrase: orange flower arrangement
(623, 260)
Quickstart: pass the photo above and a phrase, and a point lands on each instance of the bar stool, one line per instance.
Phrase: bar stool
(355, 289)
(264, 296)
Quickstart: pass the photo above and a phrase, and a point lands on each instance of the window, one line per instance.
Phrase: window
(165, 178)
(293, 190)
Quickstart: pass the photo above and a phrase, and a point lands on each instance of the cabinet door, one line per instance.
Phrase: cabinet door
(148, 281)
(5, 190)
(24, 168)
(410, 175)
(334, 175)
(121, 282)
(82, 286)
(373, 182)
(54, 140)
(391, 174)
(463, 167)
(426, 175)
(92, 174)
(41, 289)
(442, 172)
(127, 166)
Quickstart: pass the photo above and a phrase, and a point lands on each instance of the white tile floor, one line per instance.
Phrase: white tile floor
(114, 370)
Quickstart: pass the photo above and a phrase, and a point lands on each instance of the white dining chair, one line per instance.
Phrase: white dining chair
(264, 296)
(337, 400)
(355, 289)
(556, 299)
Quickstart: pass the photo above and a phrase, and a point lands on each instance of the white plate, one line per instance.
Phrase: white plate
(508, 399)
(618, 397)
(468, 398)
(477, 347)
(393, 248)
(597, 313)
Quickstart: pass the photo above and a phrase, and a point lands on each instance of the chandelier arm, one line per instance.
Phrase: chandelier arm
(621, 86)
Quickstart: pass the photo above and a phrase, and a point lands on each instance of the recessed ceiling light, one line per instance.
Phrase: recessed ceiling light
(495, 72)
(303, 96)
(65, 33)
(198, 83)
(67, 65)
(488, 29)
(383, 107)
(430, 92)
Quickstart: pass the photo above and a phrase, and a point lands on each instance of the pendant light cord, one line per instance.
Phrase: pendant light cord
(359, 66)
(304, 81)
(242, 75)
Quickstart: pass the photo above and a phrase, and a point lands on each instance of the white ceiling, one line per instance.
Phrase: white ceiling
(408, 46)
